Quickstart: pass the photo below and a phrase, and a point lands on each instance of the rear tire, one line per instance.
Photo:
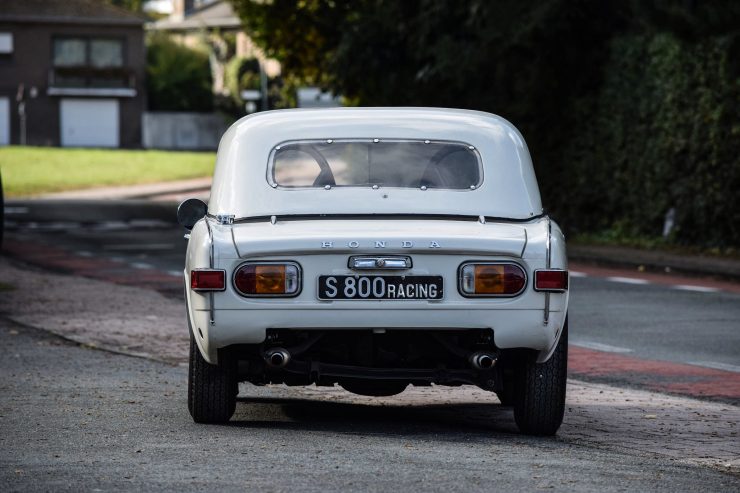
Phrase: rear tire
(212, 389)
(539, 399)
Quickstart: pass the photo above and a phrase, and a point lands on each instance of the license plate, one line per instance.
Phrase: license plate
(380, 287)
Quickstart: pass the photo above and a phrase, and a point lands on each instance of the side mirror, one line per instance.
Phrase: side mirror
(190, 212)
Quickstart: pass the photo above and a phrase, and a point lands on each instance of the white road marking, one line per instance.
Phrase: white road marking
(140, 246)
(601, 347)
(84, 253)
(111, 226)
(141, 265)
(716, 366)
(117, 259)
(16, 210)
(175, 273)
(700, 289)
(575, 273)
(627, 280)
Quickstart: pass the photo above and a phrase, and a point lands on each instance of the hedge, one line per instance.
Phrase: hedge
(662, 132)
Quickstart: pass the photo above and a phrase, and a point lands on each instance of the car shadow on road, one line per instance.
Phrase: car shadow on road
(385, 419)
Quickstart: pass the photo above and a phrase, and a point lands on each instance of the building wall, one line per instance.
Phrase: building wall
(31, 62)
(183, 130)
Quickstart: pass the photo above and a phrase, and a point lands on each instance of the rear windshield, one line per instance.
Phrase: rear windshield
(374, 162)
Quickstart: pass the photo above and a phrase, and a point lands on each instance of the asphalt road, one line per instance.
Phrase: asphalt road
(76, 419)
(644, 320)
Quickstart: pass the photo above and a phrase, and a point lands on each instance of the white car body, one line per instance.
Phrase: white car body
(251, 218)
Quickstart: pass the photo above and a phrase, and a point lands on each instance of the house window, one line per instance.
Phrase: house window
(106, 53)
(6, 43)
(89, 62)
(70, 52)
(88, 52)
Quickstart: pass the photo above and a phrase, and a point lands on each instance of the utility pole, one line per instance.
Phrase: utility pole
(263, 86)
(19, 98)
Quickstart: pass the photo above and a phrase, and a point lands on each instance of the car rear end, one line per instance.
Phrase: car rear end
(376, 263)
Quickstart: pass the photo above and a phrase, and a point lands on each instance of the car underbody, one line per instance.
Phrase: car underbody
(379, 360)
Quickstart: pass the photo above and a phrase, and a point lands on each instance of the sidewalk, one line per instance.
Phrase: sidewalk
(159, 196)
(166, 191)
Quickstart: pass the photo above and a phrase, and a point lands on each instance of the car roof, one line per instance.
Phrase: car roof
(240, 185)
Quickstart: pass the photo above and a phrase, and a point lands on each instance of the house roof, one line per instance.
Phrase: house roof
(217, 14)
(67, 12)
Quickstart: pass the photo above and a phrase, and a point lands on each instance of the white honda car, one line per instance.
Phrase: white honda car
(376, 248)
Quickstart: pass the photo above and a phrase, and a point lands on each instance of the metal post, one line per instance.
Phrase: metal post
(263, 86)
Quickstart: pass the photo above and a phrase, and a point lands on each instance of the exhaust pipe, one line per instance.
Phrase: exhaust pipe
(277, 357)
(482, 361)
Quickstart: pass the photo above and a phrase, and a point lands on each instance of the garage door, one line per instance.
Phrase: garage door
(89, 122)
(4, 121)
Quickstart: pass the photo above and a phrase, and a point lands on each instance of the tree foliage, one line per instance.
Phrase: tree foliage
(629, 106)
(178, 77)
(132, 5)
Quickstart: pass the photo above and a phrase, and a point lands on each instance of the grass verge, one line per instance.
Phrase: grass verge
(28, 171)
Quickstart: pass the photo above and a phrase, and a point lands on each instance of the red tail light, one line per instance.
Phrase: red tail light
(491, 279)
(208, 280)
(551, 280)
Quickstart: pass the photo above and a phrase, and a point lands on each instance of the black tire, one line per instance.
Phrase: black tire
(374, 388)
(539, 399)
(212, 389)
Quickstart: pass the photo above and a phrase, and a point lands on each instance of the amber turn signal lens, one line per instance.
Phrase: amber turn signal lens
(492, 279)
(270, 279)
(489, 279)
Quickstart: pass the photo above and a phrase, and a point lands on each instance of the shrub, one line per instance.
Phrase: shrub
(178, 77)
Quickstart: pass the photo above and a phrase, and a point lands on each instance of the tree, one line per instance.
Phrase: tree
(132, 5)
(178, 77)
(629, 107)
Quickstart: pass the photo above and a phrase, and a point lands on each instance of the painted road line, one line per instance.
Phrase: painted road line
(141, 265)
(139, 246)
(16, 210)
(716, 366)
(627, 280)
(699, 289)
(84, 253)
(576, 273)
(175, 273)
(601, 347)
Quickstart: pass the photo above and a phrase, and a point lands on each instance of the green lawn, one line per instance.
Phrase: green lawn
(36, 170)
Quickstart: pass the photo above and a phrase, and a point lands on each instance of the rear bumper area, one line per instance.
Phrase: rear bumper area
(512, 328)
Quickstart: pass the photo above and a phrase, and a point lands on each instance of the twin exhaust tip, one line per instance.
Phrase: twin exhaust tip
(482, 361)
(277, 357)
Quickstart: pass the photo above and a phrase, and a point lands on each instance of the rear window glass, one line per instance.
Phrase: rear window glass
(385, 163)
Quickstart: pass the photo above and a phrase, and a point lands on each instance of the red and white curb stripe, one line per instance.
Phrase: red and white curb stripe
(681, 283)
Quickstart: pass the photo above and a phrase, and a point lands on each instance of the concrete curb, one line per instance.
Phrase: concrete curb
(142, 191)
